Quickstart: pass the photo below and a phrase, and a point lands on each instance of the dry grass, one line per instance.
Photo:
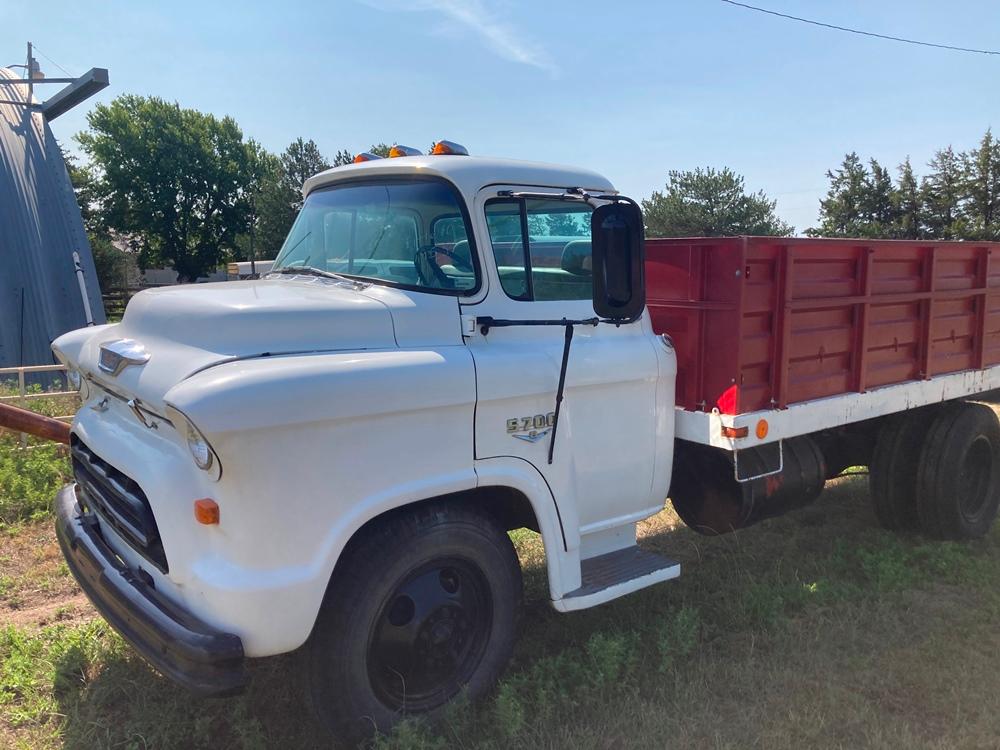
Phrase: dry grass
(36, 587)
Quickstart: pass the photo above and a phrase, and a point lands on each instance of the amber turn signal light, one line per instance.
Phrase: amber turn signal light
(206, 511)
(735, 432)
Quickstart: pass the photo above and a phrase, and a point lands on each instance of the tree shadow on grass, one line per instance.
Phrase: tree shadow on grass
(112, 699)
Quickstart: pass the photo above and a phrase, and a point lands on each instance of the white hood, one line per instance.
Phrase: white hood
(186, 329)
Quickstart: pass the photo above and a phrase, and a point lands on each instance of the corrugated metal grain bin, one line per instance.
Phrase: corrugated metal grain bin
(40, 228)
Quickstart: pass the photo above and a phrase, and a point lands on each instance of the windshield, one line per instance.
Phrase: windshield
(405, 232)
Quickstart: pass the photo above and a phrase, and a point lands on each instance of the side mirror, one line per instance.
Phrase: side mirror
(618, 262)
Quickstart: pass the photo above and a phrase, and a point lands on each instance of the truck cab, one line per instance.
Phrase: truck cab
(329, 458)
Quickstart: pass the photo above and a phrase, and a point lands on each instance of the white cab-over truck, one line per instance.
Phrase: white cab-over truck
(447, 348)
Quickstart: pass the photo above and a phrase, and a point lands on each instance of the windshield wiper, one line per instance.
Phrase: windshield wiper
(313, 271)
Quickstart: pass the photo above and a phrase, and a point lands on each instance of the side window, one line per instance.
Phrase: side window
(553, 261)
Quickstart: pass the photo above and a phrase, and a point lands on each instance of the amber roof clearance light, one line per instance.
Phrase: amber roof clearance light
(397, 151)
(449, 148)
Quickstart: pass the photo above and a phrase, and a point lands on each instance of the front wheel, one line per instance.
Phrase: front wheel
(421, 607)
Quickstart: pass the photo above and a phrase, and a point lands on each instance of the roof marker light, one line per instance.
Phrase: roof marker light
(398, 150)
(449, 148)
(365, 156)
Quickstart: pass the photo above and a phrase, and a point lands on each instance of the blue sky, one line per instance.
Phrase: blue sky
(631, 89)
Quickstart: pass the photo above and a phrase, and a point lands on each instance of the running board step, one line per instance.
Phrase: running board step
(615, 574)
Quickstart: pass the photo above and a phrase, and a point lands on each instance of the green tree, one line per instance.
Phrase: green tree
(279, 197)
(908, 204)
(342, 158)
(942, 195)
(109, 261)
(300, 161)
(860, 202)
(844, 211)
(879, 204)
(176, 182)
(266, 201)
(710, 203)
(980, 189)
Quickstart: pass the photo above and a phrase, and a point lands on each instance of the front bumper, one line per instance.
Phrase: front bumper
(182, 647)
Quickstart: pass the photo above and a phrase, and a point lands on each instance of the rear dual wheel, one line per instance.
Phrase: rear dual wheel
(938, 471)
(958, 480)
(892, 475)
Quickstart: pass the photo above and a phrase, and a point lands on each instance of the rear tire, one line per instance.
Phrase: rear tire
(421, 607)
(958, 478)
(892, 477)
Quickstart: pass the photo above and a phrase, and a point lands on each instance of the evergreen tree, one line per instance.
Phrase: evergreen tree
(942, 196)
(710, 203)
(300, 161)
(845, 212)
(879, 205)
(980, 189)
(908, 204)
(342, 158)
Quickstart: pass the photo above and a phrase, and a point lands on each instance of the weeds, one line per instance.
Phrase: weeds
(677, 637)
(29, 480)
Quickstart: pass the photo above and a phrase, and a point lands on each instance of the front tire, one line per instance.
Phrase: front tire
(422, 606)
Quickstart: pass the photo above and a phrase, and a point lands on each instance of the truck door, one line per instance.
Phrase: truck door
(604, 471)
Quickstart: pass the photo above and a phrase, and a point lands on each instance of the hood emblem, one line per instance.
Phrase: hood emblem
(117, 355)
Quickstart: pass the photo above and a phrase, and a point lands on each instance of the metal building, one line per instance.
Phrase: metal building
(40, 223)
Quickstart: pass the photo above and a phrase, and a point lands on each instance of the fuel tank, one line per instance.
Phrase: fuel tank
(709, 499)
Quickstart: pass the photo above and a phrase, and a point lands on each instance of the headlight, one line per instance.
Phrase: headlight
(202, 453)
(73, 378)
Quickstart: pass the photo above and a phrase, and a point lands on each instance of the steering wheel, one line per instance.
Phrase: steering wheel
(425, 260)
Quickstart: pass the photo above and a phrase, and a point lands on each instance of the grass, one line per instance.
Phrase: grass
(811, 630)
(30, 477)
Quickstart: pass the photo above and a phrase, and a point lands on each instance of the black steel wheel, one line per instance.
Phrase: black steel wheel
(422, 606)
(958, 479)
(892, 477)
(430, 635)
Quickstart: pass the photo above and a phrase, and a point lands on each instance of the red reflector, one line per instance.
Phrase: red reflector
(206, 511)
(727, 402)
(735, 432)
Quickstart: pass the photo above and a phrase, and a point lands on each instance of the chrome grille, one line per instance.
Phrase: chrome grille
(119, 501)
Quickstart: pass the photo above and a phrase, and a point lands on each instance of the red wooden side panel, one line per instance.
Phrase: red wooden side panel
(693, 294)
(764, 322)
